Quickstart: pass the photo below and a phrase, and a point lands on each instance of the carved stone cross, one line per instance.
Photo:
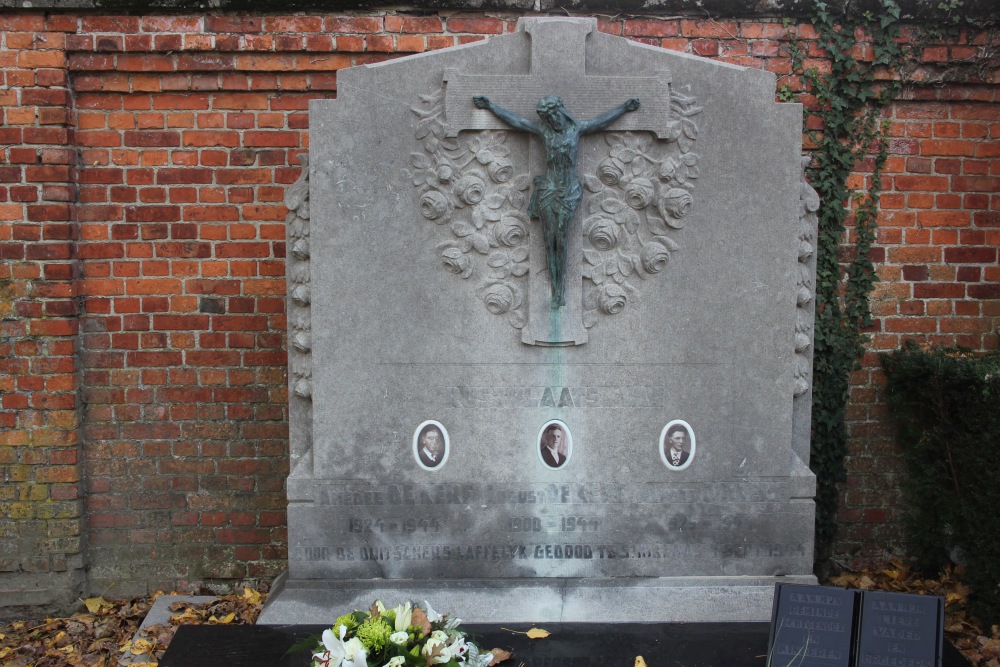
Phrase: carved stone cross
(558, 67)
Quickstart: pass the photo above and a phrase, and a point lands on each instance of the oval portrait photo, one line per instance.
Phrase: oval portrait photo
(555, 444)
(677, 445)
(430, 445)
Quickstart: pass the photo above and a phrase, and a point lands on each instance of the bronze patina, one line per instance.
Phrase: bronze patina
(557, 193)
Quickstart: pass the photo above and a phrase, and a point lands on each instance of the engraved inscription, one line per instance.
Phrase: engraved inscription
(894, 661)
(705, 493)
(565, 524)
(397, 525)
(502, 552)
(558, 397)
(464, 494)
(814, 623)
(899, 631)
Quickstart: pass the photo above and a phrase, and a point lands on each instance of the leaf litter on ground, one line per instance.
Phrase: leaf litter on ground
(980, 647)
(101, 634)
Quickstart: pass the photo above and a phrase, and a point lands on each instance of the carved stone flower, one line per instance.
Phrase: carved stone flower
(300, 249)
(654, 257)
(639, 193)
(676, 203)
(501, 170)
(500, 298)
(471, 188)
(601, 232)
(434, 205)
(510, 231)
(612, 299)
(456, 262)
(444, 172)
(667, 169)
(610, 171)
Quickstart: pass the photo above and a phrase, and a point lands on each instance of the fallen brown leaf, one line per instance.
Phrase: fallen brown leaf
(101, 634)
(537, 633)
(419, 619)
(499, 655)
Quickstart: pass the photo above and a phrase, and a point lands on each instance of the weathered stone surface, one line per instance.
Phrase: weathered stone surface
(422, 281)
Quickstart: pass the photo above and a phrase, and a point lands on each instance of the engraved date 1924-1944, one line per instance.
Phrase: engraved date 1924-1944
(563, 524)
(400, 525)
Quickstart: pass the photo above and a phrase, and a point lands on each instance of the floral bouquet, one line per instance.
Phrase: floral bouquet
(404, 635)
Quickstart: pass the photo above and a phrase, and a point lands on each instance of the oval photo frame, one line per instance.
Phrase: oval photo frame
(665, 444)
(422, 458)
(542, 450)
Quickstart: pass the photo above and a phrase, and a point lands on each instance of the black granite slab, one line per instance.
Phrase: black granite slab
(570, 645)
(812, 626)
(898, 630)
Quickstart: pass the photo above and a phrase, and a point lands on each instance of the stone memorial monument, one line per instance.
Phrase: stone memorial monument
(550, 327)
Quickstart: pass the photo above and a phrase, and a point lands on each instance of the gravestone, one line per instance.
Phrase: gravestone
(823, 626)
(900, 630)
(812, 626)
(431, 378)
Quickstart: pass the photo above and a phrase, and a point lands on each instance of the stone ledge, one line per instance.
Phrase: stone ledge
(45, 589)
(921, 10)
(662, 600)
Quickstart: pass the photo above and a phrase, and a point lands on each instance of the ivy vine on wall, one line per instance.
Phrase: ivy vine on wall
(850, 101)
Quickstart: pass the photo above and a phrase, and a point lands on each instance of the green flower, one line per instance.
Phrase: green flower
(348, 620)
(374, 633)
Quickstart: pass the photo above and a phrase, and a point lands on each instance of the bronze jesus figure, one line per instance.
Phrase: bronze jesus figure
(557, 193)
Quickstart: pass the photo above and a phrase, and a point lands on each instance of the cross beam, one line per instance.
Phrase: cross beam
(558, 67)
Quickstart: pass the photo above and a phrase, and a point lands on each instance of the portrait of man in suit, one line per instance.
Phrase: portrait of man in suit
(554, 445)
(431, 445)
(677, 445)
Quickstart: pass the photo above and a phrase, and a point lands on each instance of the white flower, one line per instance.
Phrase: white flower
(458, 648)
(436, 652)
(440, 634)
(432, 615)
(404, 614)
(477, 659)
(355, 654)
(399, 638)
(340, 653)
(397, 661)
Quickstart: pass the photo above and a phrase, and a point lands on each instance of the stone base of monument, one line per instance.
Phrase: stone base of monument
(663, 599)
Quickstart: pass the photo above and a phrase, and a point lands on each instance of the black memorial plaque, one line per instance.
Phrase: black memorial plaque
(811, 626)
(900, 630)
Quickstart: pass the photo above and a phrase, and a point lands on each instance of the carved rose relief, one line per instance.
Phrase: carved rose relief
(470, 186)
(638, 196)
(299, 316)
(808, 207)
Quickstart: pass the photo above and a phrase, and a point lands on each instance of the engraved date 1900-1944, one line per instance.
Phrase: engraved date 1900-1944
(400, 525)
(563, 524)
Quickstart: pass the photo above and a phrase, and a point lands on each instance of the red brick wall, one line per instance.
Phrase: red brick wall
(41, 524)
(937, 259)
(143, 163)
